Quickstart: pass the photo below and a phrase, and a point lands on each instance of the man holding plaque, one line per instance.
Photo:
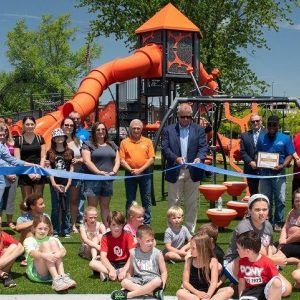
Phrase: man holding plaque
(248, 151)
(274, 152)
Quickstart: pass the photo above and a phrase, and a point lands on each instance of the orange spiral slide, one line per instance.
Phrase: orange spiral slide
(145, 62)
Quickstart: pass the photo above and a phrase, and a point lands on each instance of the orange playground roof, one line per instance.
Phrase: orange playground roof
(168, 17)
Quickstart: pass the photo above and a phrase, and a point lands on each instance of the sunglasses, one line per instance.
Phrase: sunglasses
(255, 121)
(100, 129)
(186, 117)
(68, 125)
(272, 124)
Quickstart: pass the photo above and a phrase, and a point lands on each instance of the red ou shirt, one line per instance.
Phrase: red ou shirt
(117, 249)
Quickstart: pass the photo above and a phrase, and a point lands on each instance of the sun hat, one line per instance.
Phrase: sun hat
(257, 196)
(58, 132)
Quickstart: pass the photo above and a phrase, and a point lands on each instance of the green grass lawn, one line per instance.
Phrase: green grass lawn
(90, 284)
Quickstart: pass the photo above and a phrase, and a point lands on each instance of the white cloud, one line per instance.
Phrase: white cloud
(289, 26)
(20, 16)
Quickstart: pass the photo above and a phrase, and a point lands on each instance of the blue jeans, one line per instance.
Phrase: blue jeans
(60, 213)
(144, 183)
(274, 188)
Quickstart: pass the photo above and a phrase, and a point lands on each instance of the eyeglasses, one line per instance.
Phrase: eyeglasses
(272, 124)
(68, 125)
(255, 121)
(186, 117)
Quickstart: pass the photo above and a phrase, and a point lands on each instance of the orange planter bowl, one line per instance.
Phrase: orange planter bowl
(221, 218)
(235, 188)
(212, 192)
(240, 207)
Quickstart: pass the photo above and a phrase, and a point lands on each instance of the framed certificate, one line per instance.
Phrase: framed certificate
(267, 160)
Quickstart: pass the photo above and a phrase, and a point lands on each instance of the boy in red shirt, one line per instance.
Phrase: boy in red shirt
(258, 276)
(10, 249)
(114, 250)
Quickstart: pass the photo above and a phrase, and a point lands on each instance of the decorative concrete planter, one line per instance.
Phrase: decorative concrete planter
(212, 192)
(235, 188)
(239, 207)
(221, 218)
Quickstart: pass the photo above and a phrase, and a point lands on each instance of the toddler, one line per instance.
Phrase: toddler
(176, 236)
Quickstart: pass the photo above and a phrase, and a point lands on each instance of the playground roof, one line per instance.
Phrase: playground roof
(168, 17)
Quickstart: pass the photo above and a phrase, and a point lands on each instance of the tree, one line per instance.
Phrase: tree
(229, 27)
(43, 62)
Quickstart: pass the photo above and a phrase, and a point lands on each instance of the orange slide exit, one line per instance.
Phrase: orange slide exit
(145, 62)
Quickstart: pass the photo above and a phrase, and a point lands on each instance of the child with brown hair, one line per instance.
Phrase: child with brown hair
(258, 275)
(44, 254)
(60, 158)
(114, 250)
(147, 269)
(200, 275)
(33, 206)
(212, 231)
(91, 232)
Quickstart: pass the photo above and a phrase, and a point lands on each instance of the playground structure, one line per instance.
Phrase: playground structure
(169, 55)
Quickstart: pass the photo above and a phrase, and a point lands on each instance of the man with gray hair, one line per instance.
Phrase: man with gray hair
(137, 157)
(184, 142)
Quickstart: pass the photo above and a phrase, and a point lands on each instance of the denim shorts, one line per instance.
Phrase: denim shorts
(95, 188)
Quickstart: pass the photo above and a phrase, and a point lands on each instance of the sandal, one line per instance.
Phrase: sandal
(12, 226)
(3, 275)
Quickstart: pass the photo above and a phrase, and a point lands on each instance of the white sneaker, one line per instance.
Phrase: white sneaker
(70, 282)
(103, 277)
(58, 284)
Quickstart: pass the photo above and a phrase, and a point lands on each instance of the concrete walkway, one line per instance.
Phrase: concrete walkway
(68, 297)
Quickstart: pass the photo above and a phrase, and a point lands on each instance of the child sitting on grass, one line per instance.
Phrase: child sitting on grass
(91, 232)
(114, 250)
(147, 269)
(200, 274)
(135, 218)
(10, 249)
(44, 254)
(33, 206)
(258, 275)
(177, 236)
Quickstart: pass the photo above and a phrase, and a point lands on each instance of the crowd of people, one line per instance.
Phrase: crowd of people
(121, 247)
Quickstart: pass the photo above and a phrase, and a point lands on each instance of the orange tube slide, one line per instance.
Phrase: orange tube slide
(145, 62)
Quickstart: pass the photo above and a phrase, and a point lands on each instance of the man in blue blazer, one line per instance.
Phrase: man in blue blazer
(248, 151)
(184, 142)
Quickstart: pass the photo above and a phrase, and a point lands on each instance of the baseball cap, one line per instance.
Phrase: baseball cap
(58, 132)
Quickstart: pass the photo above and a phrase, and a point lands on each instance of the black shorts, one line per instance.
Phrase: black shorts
(254, 293)
(118, 264)
(25, 180)
(291, 250)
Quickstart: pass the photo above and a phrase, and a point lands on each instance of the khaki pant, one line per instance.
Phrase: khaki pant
(187, 191)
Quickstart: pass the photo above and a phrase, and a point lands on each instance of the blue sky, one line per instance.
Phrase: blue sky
(280, 65)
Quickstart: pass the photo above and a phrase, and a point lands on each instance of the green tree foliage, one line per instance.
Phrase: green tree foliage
(232, 29)
(43, 62)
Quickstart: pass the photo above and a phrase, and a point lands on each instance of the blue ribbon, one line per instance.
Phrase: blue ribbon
(83, 176)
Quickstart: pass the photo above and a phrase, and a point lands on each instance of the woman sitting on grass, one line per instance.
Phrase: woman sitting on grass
(44, 254)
